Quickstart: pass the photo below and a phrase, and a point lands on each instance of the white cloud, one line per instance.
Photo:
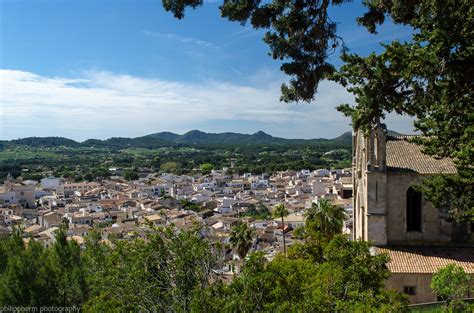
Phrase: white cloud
(104, 104)
(181, 39)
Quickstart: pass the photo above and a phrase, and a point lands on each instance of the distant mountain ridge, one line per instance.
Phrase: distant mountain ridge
(200, 137)
(193, 137)
(344, 138)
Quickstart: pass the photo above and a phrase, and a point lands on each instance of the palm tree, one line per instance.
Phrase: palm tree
(326, 217)
(241, 238)
(280, 211)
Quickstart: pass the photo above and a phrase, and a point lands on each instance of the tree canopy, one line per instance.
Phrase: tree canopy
(206, 168)
(241, 239)
(450, 282)
(325, 217)
(173, 271)
(280, 211)
(429, 77)
(347, 278)
(301, 33)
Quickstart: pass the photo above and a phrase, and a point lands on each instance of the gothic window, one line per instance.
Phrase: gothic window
(409, 290)
(376, 192)
(376, 149)
(413, 210)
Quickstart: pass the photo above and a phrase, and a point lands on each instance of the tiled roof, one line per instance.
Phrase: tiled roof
(410, 259)
(405, 156)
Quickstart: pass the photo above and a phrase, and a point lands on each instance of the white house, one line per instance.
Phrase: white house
(50, 182)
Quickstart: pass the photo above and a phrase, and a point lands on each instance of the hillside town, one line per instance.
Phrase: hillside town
(237, 156)
(385, 210)
(124, 209)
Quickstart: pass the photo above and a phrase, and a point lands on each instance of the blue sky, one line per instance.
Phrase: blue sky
(101, 68)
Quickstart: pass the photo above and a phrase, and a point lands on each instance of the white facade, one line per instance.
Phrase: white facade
(50, 183)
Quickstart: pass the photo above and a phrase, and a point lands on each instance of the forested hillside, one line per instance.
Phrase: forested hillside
(166, 139)
(35, 157)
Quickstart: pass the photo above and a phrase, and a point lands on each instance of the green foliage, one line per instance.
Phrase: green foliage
(325, 217)
(362, 270)
(309, 249)
(429, 78)
(454, 307)
(241, 239)
(169, 167)
(67, 271)
(455, 192)
(99, 173)
(299, 232)
(161, 273)
(46, 142)
(177, 7)
(35, 276)
(341, 281)
(90, 163)
(24, 278)
(10, 247)
(130, 175)
(172, 271)
(188, 205)
(280, 211)
(206, 168)
(301, 33)
(258, 212)
(450, 282)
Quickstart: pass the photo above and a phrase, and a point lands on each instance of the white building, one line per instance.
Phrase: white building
(50, 182)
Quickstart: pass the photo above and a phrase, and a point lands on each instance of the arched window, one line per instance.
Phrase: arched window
(413, 210)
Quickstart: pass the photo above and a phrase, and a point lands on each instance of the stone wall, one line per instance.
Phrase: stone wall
(421, 282)
(435, 230)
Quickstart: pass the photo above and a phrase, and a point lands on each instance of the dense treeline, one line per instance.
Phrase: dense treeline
(166, 139)
(173, 272)
(89, 163)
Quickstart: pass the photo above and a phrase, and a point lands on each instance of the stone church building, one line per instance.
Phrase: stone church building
(389, 212)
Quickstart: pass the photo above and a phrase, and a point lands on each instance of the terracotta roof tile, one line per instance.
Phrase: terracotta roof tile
(408, 259)
(405, 156)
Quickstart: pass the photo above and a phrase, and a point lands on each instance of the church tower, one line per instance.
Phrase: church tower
(9, 183)
(388, 210)
(391, 213)
(370, 185)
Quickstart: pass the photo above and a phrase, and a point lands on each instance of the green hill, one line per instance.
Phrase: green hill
(43, 142)
(196, 137)
(191, 138)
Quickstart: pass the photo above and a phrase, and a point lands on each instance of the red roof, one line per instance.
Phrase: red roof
(408, 259)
